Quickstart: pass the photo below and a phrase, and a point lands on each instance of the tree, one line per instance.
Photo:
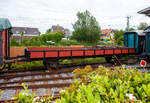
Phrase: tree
(48, 31)
(25, 42)
(21, 37)
(142, 26)
(118, 36)
(86, 28)
(39, 33)
(131, 29)
(13, 42)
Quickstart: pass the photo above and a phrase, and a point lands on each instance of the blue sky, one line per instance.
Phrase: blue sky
(45, 13)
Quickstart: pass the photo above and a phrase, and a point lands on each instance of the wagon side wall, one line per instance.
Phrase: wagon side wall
(1, 48)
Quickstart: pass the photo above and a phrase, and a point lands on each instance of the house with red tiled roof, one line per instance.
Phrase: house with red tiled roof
(107, 34)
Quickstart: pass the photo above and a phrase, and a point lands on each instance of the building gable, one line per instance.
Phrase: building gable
(27, 31)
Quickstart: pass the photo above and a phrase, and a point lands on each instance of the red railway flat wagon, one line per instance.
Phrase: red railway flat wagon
(74, 52)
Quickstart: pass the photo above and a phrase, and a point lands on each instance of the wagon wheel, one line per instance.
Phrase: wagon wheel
(108, 59)
(53, 65)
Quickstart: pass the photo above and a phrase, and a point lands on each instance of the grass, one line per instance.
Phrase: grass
(67, 43)
(82, 61)
(37, 64)
(27, 65)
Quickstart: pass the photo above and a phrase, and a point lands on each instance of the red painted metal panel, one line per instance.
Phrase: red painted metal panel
(36, 54)
(7, 42)
(117, 51)
(89, 52)
(41, 54)
(4, 43)
(51, 54)
(64, 53)
(54, 53)
(77, 53)
(124, 51)
(132, 50)
(109, 51)
(99, 52)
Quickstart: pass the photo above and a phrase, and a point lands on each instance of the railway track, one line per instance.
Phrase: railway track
(43, 83)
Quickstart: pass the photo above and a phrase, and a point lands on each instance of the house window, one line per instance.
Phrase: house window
(35, 32)
(17, 32)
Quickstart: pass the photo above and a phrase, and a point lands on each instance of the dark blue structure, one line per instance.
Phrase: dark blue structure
(147, 32)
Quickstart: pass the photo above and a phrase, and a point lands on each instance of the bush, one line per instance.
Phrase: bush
(82, 61)
(118, 36)
(35, 41)
(25, 42)
(13, 42)
(103, 85)
(69, 42)
(108, 86)
(24, 96)
(27, 65)
(55, 37)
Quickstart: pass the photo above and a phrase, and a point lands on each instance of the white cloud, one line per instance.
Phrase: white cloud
(45, 13)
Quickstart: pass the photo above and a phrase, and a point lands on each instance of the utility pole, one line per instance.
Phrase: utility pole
(128, 23)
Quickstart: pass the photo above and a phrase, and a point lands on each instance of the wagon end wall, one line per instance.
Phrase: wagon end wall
(16, 51)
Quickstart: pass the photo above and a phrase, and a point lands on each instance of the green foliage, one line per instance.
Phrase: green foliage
(108, 86)
(35, 41)
(118, 36)
(13, 42)
(24, 96)
(104, 43)
(1, 92)
(55, 37)
(38, 41)
(43, 100)
(82, 61)
(102, 85)
(131, 29)
(48, 31)
(21, 37)
(27, 65)
(142, 26)
(43, 38)
(68, 42)
(25, 42)
(66, 61)
(86, 28)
